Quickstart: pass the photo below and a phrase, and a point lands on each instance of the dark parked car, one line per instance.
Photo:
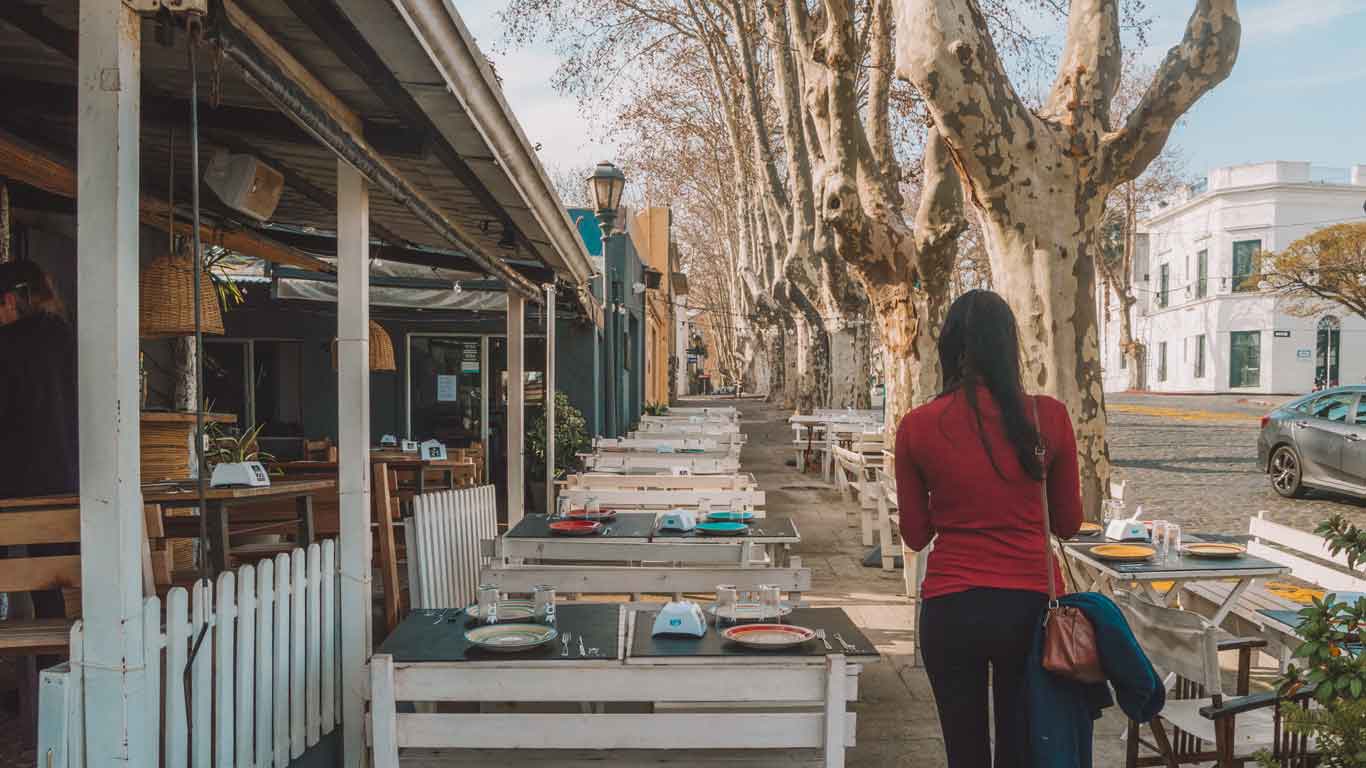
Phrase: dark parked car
(1316, 441)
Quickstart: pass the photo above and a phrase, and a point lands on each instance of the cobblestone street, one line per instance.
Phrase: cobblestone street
(1192, 460)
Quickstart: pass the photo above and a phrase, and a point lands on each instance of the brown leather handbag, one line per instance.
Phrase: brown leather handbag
(1069, 638)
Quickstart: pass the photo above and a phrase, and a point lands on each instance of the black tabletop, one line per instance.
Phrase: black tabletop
(427, 635)
(833, 620)
(640, 525)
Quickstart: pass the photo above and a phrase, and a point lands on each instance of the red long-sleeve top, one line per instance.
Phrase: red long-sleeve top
(987, 531)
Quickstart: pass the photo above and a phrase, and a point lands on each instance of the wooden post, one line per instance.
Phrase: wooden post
(353, 433)
(549, 398)
(109, 80)
(516, 420)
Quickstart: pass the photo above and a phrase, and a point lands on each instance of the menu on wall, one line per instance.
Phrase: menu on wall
(469, 359)
(447, 388)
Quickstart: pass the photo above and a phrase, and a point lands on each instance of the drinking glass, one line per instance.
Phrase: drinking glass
(727, 599)
(737, 505)
(1172, 544)
(561, 505)
(1158, 538)
(703, 507)
(488, 603)
(593, 507)
(770, 603)
(1111, 510)
(544, 596)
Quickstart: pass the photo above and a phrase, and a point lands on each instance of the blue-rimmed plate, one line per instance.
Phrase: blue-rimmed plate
(730, 517)
(721, 529)
(510, 638)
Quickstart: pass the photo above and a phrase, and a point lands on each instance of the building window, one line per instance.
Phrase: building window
(1162, 361)
(1245, 359)
(1200, 356)
(1245, 264)
(1202, 274)
(260, 381)
(1163, 285)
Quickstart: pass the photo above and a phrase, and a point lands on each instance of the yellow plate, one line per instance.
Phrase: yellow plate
(1214, 549)
(1089, 528)
(1123, 552)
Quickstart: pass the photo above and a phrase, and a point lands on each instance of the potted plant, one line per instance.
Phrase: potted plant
(571, 439)
(1334, 664)
(237, 459)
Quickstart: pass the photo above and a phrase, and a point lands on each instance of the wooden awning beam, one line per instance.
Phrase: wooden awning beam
(27, 164)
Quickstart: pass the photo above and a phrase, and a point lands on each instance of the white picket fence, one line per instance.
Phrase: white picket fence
(263, 687)
(445, 549)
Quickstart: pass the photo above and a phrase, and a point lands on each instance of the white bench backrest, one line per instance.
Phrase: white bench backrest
(449, 528)
(655, 443)
(662, 482)
(1265, 533)
(662, 499)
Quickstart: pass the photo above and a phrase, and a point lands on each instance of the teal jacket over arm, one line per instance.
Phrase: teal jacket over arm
(1061, 712)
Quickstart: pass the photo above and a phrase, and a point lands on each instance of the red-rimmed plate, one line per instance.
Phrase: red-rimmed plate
(769, 636)
(583, 514)
(575, 527)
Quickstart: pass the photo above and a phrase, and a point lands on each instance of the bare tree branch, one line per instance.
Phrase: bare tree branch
(1202, 60)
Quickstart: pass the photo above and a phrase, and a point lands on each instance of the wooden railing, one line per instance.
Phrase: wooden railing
(262, 687)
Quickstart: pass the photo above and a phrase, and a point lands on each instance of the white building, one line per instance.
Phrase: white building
(1206, 327)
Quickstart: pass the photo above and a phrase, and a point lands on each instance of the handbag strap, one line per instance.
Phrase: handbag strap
(1040, 453)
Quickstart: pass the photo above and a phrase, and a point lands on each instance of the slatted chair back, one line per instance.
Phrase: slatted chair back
(449, 529)
(591, 480)
(320, 450)
(663, 499)
(1176, 641)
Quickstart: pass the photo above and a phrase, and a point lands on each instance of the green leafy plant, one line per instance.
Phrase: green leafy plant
(656, 409)
(571, 437)
(1334, 663)
(225, 447)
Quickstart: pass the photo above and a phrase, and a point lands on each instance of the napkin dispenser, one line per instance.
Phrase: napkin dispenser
(680, 618)
(1126, 530)
(388, 441)
(411, 446)
(433, 450)
(243, 473)
(678, 520)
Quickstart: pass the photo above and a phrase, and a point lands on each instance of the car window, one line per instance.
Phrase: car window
(1333, 407)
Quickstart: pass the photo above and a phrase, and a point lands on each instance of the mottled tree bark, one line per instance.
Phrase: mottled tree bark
(1040, 179)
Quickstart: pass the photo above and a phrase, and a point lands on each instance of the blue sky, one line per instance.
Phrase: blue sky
(1298, 91)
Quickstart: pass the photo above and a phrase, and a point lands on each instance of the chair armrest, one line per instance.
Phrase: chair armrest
(1239, 643)
(1232, 707)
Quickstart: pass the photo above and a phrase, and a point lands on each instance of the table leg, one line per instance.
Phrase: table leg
(1218, 618)
(218, 535)
(421, 480)
(303, 506)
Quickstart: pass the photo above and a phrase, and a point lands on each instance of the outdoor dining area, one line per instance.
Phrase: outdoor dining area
(655, 607)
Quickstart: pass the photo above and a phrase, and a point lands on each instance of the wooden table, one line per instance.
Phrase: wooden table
(1105, 575)
(700, 693)
(218, 503)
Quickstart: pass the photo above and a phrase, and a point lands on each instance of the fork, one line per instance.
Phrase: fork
(840, 639)
(820, 633)
(565, 640)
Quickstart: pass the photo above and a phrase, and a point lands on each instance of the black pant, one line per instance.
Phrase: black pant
(961, 635)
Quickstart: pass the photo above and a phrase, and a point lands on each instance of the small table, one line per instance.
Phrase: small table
(1177, 568)
(699, 693)
(532, 539)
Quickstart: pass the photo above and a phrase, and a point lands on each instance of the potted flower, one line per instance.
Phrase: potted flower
(236, 459)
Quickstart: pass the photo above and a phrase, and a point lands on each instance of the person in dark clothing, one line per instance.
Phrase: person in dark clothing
(968, 479)
(39, 454)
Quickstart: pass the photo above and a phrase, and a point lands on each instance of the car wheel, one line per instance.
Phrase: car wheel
(1286, 474)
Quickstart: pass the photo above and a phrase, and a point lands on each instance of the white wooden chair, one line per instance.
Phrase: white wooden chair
(1209, 722)
(446, 545)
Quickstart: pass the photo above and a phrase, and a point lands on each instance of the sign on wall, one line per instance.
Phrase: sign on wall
(447, 388)
(1282, 334)
(1304, 354)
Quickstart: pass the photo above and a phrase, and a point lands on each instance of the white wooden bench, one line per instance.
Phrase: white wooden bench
(673, 581)
(1310, 561)
(660, 499)
(653, 444)
(677, 463)
(855, 470)
(605, 481)
(684, 433)
(725, 703)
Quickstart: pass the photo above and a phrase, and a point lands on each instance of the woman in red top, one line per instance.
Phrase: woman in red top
(968, 479)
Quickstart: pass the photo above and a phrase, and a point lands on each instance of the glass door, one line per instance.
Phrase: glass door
(445, 389)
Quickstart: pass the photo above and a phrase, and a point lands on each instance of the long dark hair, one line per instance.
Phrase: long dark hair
(32, 288)
(980, 344)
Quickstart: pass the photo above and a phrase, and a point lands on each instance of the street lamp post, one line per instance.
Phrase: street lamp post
(606, 185)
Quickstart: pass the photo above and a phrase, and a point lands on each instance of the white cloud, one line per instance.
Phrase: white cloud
(1281, 18)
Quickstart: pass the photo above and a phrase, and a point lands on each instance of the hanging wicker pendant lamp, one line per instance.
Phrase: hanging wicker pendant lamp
(166, 299)
(381, 350)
